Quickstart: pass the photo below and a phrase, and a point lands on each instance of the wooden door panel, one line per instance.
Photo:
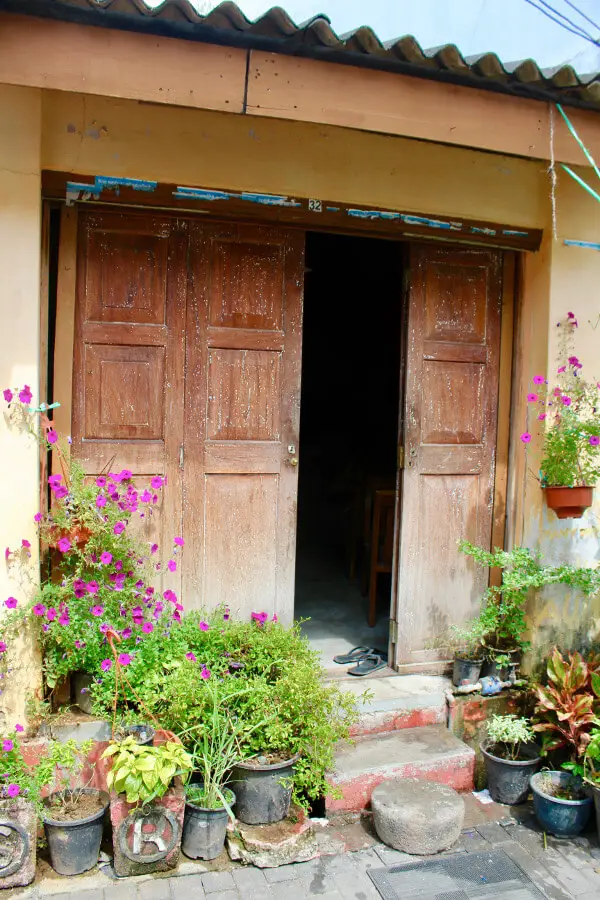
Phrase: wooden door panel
(242, 416)
(450, 440)
(129, 354)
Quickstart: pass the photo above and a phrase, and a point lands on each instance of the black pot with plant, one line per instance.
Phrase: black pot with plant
(263, 788)
(562, 803)
(468, 654)
(205, 822)
(511, 758)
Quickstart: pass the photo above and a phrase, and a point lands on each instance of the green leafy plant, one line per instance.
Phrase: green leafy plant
(501, 623)
(590, 769)
(60, 769)
(217, 745)
(144, 774)
(508, 734)
(467, 640)
(567, 412)
(17, 779)
(567, 707)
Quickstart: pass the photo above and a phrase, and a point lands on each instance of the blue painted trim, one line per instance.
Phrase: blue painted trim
(516, 233)
(107, 182)
(185, 193)
(332, 208)
(431, 223)
(590, 245)
(491, 232)
(373, 214)
(268, 199)
(74, 187)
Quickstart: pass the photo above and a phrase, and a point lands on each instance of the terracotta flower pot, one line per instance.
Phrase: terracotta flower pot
(79, 535)
(569, 502)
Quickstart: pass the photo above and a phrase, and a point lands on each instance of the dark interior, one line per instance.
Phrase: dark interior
(349, 415)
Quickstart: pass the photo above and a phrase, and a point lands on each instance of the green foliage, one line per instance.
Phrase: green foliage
(590, 769)
(569, 411)
(270, 684)
(510, 732)
(62, 763)
(17, 779)
(501, 625)
(567, 707)
(217, 742)
(144, 774)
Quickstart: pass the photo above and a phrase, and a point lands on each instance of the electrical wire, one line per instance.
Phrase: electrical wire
(569, 21)
(576, 31)
(582, 14)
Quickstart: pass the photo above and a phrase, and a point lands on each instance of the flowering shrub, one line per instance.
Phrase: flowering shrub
(16, 777)
(568, 413)
(100, 578)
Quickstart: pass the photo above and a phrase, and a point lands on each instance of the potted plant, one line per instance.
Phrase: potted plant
(591, 769)
(468, 655)
(146, 804)
(19, 810)
(565, 714)
(511, 758)
(73, 815)
(567, 411)
(216, 749)
(500, 664)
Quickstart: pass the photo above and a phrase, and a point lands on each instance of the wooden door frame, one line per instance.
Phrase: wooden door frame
(62, 354)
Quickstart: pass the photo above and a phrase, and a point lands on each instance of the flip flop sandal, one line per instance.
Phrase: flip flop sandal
(368, 664)
(353, 655)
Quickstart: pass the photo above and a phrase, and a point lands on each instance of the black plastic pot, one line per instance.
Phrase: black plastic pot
(74, 846)
(508, 780)
(564, 818)
(204, 829)
(491, 668)
(466, 671)
(262, 793)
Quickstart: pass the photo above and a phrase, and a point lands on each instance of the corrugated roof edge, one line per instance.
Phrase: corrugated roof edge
(275, 31)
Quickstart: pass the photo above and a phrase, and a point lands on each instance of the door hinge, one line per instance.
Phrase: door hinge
(400, 456)
(393, 631)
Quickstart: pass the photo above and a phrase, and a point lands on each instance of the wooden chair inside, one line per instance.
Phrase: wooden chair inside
(381, 543)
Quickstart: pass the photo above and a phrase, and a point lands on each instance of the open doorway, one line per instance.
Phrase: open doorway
(349, 438)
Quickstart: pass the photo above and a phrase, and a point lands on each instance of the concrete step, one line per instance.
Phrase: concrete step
(430, 752)
(398, 701)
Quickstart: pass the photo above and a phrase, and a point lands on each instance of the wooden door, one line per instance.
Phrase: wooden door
(129, 355)
(242, 417)
(450, 425)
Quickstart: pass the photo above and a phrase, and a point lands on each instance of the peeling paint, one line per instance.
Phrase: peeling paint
(79, 191)
(491, 232)
(373, 214)
(516, 233)
(192, 193)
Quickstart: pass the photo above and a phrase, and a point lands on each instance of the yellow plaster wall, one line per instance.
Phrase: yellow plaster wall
(561, 615)
(96, 136)
(20, 210)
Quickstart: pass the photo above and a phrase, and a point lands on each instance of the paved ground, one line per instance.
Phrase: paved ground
(562, 869)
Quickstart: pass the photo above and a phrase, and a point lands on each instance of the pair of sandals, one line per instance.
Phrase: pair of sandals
(367, 659)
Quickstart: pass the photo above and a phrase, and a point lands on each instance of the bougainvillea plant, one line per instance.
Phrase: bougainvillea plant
(101, 576)
(567, 412)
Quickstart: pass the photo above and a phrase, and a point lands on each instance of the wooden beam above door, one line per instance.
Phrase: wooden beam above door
(314, 213)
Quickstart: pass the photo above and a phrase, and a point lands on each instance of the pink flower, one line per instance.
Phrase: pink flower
(7, 745)
(97, 610)
(179, 541)
(525, 437)
(51, 436)
(559, 371)
(147, 627)
(25, 395)
(573, 361)
(64, 545)
(566, 400)
(79, 644)
(157, 482)
(191, 657)
(126, 633)
(226, 614)
(153, 548)
(124, 659)
(541, 417)
(37, 517)
(594, 440)
(570, 315)
(13, 790)
(205, 673)
(274, 619)
(106, 664)
(106, 558)
(100, 501)
(8, 394)
(63, 619)
(172, 565)
(2, 647)
(125, 475)
(51, 614)
(538, 379)
(25, 543)
(19, 729)
(11, 603)
(60, 492)
(203, 626)
(532, 398)
(101, 481)
(92, 587)
(119, 528)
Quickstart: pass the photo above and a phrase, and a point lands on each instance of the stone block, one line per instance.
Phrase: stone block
(419, 817)
(214, 882)
(147, 840)
(18, 835)
(268, 846)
